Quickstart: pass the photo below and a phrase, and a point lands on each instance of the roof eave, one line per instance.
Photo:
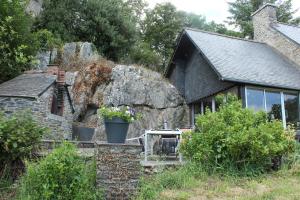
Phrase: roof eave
(167, 70)
(20, 96)
(40, 94)
(260, 84)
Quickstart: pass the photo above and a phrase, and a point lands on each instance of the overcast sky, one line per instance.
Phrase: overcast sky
(216, 10)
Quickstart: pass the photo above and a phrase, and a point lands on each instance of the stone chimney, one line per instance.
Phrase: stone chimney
(264, 24)
(262, 19)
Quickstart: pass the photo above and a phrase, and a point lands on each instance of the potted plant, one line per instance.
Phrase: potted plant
(116, 122)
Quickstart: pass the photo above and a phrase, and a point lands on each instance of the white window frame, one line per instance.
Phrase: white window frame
(213, 104)
(193, 115)
(283, 116)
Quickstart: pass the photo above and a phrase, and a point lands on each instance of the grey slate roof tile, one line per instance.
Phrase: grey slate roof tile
(27, 85)
(246, 61)
(290, 31)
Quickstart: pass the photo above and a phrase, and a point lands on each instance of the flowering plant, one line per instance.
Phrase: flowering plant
(127, 113)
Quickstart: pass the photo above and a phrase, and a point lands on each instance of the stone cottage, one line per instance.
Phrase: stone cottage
(45, 96)
(264, 73)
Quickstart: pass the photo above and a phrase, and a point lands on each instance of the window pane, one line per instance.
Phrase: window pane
(255, 99)
(273, 104)
(207, 105)
(217, 105)
(197, 109)
(291, 109)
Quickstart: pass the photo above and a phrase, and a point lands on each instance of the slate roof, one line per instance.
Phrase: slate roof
(245, 61)
(27, 85)
(290, 31)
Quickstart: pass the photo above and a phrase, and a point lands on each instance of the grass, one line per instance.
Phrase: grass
(186, 183)
(269, 187)
(7, 190)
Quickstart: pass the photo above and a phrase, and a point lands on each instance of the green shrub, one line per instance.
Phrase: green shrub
(19, 134)
(63, 174)
(237, 139)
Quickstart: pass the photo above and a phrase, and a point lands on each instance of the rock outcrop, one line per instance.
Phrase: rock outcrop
(70, 55)
(34, 7)
(78, 51)
(145, 90)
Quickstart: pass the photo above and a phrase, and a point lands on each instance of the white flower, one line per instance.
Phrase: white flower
(132, 119)
(127, 112)
(115, 109)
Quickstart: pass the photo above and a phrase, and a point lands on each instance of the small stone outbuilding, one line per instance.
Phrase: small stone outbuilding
(44, 96)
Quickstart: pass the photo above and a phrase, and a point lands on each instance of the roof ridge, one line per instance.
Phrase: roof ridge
(293, 25)
(222, 35)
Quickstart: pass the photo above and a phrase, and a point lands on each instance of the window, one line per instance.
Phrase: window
(255, 99)
(197, 111)
(273, 105)
(291, 109)
(278, 105)
(207, 105)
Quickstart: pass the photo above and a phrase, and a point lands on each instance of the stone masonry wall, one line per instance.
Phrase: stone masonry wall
(263, 20)
(60, 126)
(118, 169)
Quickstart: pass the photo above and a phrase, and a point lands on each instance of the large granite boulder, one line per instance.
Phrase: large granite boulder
(145, 90)
(34, 7)
(78, 51)
(71, 54)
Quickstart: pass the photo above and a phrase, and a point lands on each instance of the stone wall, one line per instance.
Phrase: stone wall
(60, 126)
(118, 169)
(263, 20)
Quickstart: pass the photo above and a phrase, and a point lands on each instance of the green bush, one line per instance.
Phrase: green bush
(237, 139)
(19, 134)
(63, 174)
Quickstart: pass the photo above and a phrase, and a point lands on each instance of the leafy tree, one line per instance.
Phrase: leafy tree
(161, 27)
(138, 8)
(17, 43)
(142, 54)
(62, 18)
(109, 24)
(47, 41)
(192, 20)
(241, 11)
(163, 24)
